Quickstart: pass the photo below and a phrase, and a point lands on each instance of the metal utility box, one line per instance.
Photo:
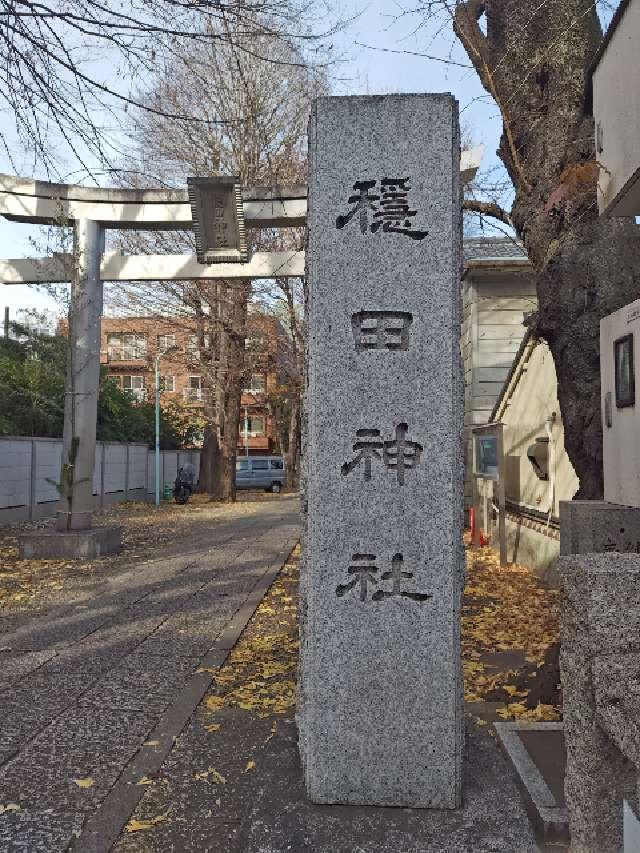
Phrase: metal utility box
(619, 356)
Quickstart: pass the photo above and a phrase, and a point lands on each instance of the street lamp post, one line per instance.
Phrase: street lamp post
(157, 459)
(246, 432)
(157, 454)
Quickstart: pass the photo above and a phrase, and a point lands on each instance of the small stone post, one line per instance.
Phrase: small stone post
(83, 372)
(380, 687)
(600, 623)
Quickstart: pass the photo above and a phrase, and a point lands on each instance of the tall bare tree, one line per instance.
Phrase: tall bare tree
(69, 70)
(534, 62)
(263, 145)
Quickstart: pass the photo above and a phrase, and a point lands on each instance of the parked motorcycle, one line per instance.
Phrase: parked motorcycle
(183, 485)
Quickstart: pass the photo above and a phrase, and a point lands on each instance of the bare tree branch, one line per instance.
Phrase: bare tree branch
(487, 208)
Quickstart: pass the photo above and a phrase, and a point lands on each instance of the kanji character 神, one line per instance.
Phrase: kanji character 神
(368, 446)
(400, 454)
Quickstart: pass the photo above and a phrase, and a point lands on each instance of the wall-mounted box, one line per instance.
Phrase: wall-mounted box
(619, 357)
(615, 89)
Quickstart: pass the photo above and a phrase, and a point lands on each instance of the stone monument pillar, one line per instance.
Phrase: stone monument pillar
(380, 706)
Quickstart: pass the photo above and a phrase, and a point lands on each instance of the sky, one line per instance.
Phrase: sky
(378, 55)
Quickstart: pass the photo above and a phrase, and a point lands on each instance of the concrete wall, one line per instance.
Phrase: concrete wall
(121, 472)
(616, 108)
(531, 401)
(532, 522)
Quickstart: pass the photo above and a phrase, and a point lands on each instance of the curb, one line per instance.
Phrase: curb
(547, 815)
(104, 827)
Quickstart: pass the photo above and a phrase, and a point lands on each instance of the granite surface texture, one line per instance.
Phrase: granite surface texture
(600, 644)
(380, 680)
(596, 527)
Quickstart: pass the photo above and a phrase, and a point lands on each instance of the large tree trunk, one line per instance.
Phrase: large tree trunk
(230, 380)
(293, 446)
(534, 63)
(210, 462)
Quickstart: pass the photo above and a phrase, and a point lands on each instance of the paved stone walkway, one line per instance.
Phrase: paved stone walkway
(97, 688)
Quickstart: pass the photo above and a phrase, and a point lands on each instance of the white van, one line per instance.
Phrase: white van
(260, 472)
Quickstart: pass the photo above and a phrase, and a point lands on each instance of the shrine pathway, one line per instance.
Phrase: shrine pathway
(95, 690)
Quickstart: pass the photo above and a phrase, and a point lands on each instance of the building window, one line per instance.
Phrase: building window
(253, 342)
(166, 342)
(256, 384)
(254, 425)
(193, 391)
(624, 372)
(133, 385)
(194, 343)
(126, 347)
(168, 383)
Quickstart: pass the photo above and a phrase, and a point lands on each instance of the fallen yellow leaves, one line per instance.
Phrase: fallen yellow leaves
(141, 825)
(9, 807)
(87, 782)
(506, 611)
(214, 727)
(258, 674)
(145, 781)
(210, 775)
(251, 765)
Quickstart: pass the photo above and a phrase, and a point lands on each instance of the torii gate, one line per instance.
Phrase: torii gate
(92, 211)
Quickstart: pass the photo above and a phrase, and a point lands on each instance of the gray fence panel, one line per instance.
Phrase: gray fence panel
(137, 466)
(97, 473)
(120, 470)
(170, 467)
(15, 473)
(48, 464)
(115, 474)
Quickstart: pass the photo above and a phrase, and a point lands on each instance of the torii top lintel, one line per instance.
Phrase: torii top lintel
(42, 202)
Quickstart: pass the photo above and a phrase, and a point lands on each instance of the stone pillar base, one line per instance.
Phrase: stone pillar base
(597, 527)
(71, 544)
(66, 521)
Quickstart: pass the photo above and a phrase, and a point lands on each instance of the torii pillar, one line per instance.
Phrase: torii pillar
(83, 369)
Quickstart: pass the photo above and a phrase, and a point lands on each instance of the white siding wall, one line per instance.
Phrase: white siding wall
(493, 308)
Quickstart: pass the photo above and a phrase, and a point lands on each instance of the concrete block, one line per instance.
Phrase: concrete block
(600, 629)
(597, 527)
(380, 688)
(71, 545)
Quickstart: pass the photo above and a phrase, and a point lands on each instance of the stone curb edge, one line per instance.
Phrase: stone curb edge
(550, 819)
(104, 827)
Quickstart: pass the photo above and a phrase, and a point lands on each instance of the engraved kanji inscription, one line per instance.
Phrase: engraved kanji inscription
(381, 330)
(387, 209)
(397, 454)
(367, 447)
(622, 544)
(363, 202)
(363, 568)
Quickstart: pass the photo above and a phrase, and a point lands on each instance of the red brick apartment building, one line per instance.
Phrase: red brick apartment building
(129, 346)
